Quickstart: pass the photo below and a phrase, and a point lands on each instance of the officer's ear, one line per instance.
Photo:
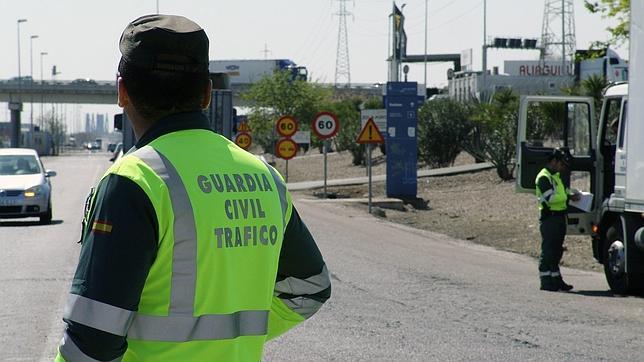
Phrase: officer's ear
(123, 97)
(207, 95)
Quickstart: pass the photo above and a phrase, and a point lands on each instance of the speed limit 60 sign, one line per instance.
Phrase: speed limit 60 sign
(286, 126)
(325, 125)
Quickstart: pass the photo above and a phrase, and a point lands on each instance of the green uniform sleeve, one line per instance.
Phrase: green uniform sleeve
(303, 282)
(119, 245)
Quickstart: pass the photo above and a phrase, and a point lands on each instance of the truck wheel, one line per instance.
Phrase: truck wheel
(615, 261)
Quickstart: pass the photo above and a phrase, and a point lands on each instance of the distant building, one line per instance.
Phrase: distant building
(529, 77)
(466, 86)
(100, 123)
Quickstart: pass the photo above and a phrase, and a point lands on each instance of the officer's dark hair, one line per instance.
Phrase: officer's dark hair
(157, 93)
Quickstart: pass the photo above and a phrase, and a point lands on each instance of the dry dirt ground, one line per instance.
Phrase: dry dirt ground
(478, 207)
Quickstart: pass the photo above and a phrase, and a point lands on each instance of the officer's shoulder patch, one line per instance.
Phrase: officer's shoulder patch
(102, 227)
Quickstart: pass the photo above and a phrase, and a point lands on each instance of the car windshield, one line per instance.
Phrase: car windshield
(19, 165)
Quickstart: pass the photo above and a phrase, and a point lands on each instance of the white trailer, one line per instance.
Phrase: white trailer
(608, 160)
(249, 71)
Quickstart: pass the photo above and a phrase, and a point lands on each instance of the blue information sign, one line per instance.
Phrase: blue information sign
(402, 103)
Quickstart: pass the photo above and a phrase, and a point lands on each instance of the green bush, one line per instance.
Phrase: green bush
(348, 113)
(493, 134)
(442, 126)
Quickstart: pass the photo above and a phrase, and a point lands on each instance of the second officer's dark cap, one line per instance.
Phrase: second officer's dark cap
(165, 42)
(562, 154)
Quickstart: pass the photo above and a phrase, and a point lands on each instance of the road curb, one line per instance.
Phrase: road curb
(445, 171)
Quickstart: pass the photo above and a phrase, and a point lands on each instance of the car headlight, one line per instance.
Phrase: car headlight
(32, 191)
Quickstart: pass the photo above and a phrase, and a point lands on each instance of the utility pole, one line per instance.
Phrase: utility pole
(342, 67)
(265, 51)
(553, 44)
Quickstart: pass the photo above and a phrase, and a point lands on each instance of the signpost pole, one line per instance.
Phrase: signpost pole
(325, 145)
(286, 171)
(369, 172)
(326, 126)
(369, 135)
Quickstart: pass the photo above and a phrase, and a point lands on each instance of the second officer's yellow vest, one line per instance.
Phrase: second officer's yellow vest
(556, 197)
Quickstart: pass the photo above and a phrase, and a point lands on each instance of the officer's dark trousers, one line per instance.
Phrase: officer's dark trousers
(553, 232)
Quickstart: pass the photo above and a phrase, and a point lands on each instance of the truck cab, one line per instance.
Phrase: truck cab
(601, 151)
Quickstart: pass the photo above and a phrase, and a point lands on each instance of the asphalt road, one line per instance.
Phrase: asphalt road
(399, 294)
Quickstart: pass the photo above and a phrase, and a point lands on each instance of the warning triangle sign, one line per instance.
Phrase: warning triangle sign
(370, 133)
(243, 127)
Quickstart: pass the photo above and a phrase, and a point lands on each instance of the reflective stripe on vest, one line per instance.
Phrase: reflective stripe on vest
(98, 315)
(184, 258)
(303, 305)
(182, 328)
(71, 353)
(281, 189)
(546, 196)
(311, 285)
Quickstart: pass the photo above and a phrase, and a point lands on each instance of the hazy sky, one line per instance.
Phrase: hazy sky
(81, 37)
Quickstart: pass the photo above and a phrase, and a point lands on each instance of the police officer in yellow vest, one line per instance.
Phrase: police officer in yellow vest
(192, 249)
(553, 202)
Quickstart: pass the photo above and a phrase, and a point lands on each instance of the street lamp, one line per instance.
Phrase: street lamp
(16, 107)
(425, 58)
(484, 49)
(19, 74)
(31, 86)
(42, 54)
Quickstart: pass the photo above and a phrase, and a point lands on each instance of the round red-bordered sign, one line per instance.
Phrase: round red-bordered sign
(243, 140)
(286, 148)
(286, 126)
(325, 125)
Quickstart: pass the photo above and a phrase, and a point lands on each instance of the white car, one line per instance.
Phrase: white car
(25, 190)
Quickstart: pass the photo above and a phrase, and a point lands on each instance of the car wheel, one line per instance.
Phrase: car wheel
(45, 218)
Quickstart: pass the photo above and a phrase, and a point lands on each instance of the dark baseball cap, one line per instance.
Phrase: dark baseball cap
(165, 42)
(562, 154)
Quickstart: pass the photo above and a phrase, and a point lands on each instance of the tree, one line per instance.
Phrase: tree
(593, 86)
(348, 112)
(277, 95)
(443, 125)
(493, 133)
(57, 128)
(617, 9)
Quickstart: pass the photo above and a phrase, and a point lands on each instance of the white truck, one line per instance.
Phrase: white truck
(249, 71)
(611, 66)
(608, 160)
